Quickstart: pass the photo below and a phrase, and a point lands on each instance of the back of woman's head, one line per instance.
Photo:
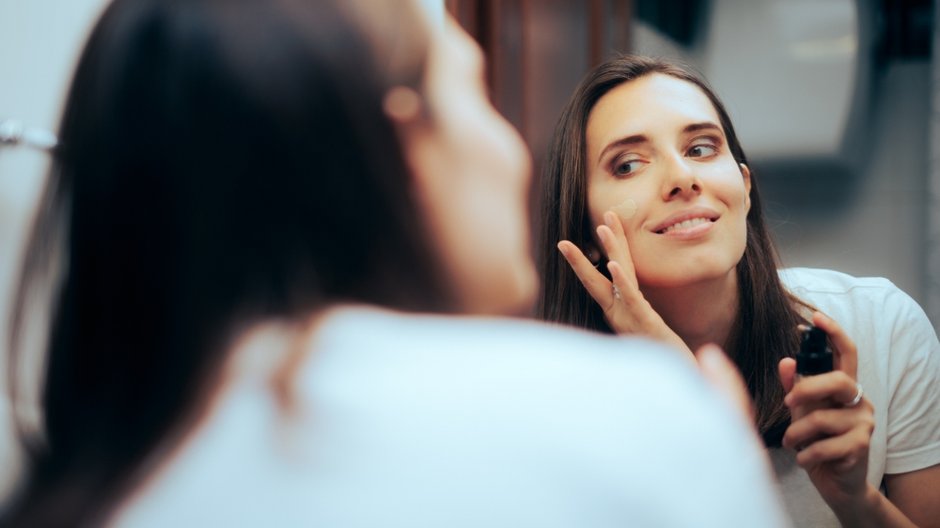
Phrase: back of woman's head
(249, 138)
(221, 161)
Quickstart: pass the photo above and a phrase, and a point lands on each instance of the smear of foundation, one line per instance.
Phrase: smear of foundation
(625, 209)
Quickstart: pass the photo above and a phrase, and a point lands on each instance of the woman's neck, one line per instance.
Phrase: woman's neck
(699, 313)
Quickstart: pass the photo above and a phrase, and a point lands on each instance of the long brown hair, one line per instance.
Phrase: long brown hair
(221, 162)
(768, 314)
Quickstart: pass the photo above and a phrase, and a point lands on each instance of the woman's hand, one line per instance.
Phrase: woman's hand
(831, 435)
(625, 308)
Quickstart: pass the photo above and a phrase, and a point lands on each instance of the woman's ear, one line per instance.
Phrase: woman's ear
(746, 174)
(402, 105)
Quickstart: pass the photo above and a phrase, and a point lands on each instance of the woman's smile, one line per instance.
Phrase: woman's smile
(687, 224)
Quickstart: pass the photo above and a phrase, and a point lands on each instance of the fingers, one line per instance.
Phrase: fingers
(594, 281)
(845, 354)
(625, 308)
(723, 375)
(614, 241)
(826, 424)
(619, 261)
(846, 450)
(822, 429)
(833, 387)
(787, 370)
(624, 282)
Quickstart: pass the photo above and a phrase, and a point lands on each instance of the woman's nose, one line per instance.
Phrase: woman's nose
(681, 179)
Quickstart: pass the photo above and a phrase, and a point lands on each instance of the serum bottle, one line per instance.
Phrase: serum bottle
(815, 356)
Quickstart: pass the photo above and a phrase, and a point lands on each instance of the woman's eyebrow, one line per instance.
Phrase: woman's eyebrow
(704, 125)
(629, 140)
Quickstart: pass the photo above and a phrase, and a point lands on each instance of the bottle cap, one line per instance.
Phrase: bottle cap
(814, 356)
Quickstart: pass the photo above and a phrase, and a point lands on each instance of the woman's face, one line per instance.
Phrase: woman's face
(658, 157)
(474, 171)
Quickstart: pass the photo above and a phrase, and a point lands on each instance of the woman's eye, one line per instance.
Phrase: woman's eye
(624, 167)
(702, 151)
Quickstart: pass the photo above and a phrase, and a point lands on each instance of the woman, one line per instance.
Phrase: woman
(252, 203)
(654, 226)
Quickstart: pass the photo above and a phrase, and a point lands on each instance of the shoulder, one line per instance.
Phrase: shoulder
(526, 376)
(890, 329)
(550, 410)
(529, 378)
(825, 281)
(869, 301)
(391, 406)
(441, 352)
(872, 310)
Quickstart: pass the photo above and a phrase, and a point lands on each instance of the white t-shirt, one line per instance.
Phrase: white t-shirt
(898, 367)
(419, 421)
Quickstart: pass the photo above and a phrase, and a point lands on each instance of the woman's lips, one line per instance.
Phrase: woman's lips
(688, 229)
(685, 225)
(688, 220)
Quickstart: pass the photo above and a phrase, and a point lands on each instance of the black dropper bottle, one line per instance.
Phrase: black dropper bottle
(815, 356)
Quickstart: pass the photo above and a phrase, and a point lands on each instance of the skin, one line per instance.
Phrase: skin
(657, 140)
(476, 204)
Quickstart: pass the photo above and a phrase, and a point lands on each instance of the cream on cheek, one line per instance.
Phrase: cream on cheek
(625, 209)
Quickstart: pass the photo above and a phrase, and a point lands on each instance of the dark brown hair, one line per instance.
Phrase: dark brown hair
(221, 162)
(768, 314)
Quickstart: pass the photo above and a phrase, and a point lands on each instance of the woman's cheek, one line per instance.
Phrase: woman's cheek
(645, 274)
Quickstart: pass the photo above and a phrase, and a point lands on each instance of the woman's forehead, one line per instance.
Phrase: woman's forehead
(655, 102)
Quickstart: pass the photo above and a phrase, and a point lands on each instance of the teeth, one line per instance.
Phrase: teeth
(685, 224)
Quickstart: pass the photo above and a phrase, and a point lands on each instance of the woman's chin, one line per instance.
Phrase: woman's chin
(680, 278)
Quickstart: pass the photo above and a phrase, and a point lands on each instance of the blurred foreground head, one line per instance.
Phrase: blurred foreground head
(226, 162)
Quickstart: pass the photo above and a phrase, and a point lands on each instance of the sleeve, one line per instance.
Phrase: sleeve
(914, 375)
